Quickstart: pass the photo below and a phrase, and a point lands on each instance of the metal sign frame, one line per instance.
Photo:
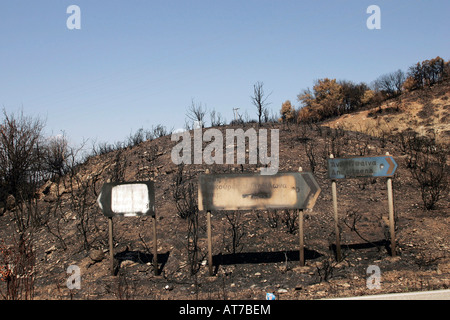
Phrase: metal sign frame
(258, 196)
(105, 199)
(105, 203)
(247, 191)
(361, 167)
(384, 166)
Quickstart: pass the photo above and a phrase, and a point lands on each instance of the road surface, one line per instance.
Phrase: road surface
(422, 295)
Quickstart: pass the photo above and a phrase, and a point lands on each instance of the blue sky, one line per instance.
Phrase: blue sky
(139, 63)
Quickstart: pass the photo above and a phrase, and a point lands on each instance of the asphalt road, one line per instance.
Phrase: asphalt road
(422, 295)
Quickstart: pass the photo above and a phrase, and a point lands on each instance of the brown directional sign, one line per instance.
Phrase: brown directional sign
(127, 199)
(297, 190)
(365, 167)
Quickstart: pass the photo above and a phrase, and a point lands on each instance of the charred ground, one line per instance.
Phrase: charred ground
(254, 252)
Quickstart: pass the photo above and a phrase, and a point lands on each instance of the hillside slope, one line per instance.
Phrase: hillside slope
(266, 257)
(423, 111)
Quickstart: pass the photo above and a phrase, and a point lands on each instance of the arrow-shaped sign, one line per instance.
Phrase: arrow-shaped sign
(392, 166)
(297, 190)
(314, 189)
(127, 199)
(365, 167)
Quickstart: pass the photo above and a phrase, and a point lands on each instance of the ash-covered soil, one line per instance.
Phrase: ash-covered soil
(266, 256)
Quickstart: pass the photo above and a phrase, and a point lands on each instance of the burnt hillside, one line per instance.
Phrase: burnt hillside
(254, 252)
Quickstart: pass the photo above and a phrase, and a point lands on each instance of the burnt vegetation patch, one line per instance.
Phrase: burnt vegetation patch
(50, 219)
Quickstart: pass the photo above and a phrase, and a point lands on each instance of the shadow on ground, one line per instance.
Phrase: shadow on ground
(262, 257)
(366, 245)
(141, 258)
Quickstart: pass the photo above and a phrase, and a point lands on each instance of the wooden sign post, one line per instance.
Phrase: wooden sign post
(128, 199)
(391, 214)
(155, 248)
(297, 190)
(111, 245)
(366, 167)
(336, 218)
(208, 224)
(301, 238)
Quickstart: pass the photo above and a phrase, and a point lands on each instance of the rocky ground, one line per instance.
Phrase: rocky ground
(265, 257)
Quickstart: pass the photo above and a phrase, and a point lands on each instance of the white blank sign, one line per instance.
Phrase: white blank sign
(130, 199)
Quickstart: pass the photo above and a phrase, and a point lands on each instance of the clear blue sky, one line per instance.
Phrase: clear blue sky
(139, 63)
